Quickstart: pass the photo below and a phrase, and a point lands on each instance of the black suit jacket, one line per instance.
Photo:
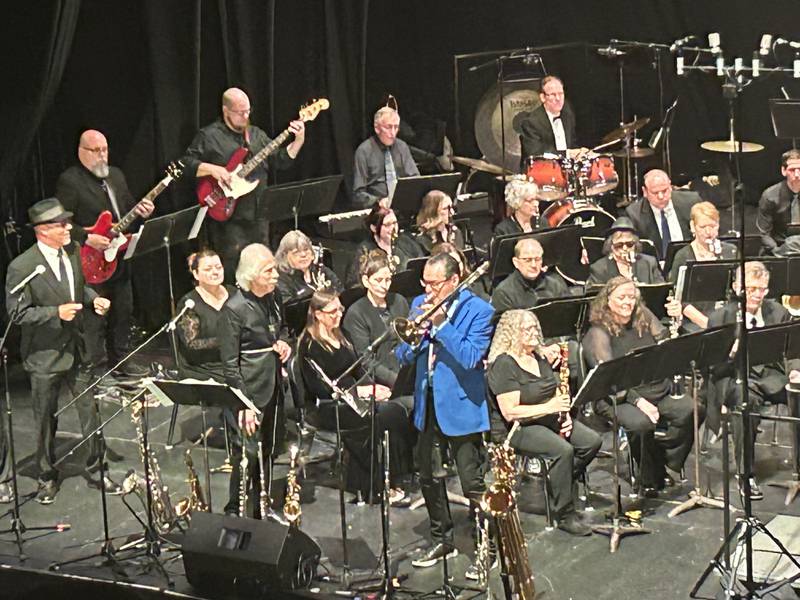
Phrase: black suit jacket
(772, 377)
(643, 220)
(48, 344)
(80, 193)
(244, 329)
(774, 214)
(645, 270)
(536, 133)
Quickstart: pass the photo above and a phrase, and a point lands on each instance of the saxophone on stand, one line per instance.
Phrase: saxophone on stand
(196, 500)
(263, 495)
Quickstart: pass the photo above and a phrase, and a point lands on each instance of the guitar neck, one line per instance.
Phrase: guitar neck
(131, 215)
(251, 164)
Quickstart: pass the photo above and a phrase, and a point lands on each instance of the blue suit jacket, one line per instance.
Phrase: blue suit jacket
(459, 389)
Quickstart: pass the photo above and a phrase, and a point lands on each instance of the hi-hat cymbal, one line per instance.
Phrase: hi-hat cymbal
(731, 146)
(626, 129)
(635, 153)
(480, 165)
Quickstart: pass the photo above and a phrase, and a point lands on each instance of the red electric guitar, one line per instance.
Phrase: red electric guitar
(99, 265)
(224, 199)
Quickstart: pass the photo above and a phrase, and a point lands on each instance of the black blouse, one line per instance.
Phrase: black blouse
(506, 375)
(293, 285)
(198, 338)
(333, 361)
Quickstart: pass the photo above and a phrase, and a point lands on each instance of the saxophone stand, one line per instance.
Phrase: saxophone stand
(18, 527)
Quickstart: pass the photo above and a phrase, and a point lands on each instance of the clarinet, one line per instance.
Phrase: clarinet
(715, 246)
(243, 482)
(263, 496)
(632, 261)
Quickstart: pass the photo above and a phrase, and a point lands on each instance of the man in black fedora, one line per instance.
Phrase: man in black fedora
(49, 309)
(622, 255)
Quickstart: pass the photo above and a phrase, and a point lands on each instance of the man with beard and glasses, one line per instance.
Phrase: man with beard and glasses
(86, 190)
(209, 152)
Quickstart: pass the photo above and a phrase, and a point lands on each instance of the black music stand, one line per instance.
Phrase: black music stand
(409, 191)
(561, 246)
(163, 233)
(708, 281)
(715, 347)
(784, 275)
(191, 392)
(290, 201)
(562, 317)
(407, 283)
(785, 114)
(654, 296)
(295, 314)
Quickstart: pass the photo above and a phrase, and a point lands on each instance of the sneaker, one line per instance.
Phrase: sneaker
(755, 491)
(434, 554)
(46, 494)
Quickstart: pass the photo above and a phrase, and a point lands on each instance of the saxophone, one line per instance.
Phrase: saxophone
(563, 381)
(291, 507)
(394, 260)
(319, 281)
(499, 502)
(196, 500)
(164, 515)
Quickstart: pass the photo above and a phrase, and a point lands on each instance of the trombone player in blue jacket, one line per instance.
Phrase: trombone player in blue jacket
(450, 406)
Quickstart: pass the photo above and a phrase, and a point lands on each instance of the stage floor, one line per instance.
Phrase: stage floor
(664, 564)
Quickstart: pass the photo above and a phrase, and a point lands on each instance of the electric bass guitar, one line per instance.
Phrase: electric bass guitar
(99, 265)
(222, 200)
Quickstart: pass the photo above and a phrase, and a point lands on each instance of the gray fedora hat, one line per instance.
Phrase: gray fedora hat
(621, 224)
(48, 210)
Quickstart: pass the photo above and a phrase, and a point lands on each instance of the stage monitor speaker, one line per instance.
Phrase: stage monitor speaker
(224, 552)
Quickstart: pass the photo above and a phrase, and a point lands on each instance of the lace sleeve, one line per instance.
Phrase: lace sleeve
(657, 329)
(189, 331)
(597, 346)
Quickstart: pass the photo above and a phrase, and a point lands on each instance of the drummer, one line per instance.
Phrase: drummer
(550, 127)
(522, 199)
(531, 282)
(622, 255)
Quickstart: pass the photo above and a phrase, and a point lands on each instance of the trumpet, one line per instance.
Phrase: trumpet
(412, 331)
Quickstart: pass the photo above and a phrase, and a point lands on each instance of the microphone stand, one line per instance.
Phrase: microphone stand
(18, 527)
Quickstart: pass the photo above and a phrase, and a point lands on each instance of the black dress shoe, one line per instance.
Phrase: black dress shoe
(572, 524)
(109, 484)
(46, 494)
(649, 492)
(434, 554)
(6, 493)
(755, 491)
(112, 455)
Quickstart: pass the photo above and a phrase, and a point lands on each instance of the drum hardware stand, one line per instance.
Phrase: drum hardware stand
(792, 486)
(18, 527)
(696, 497)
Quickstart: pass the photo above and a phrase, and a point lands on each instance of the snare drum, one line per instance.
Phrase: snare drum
(548, 174)
(602, 176)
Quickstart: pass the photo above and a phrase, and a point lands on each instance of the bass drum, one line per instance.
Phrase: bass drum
(594, 222)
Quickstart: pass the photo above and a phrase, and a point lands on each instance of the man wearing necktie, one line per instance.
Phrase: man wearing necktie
(663, 215)
(779, 204)
(766, 383)
(550, 127)
(380, 160)
(86, 190)
(50, 311)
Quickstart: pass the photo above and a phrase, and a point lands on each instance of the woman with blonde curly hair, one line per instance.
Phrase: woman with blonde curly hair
(622, 323)
(525, 389)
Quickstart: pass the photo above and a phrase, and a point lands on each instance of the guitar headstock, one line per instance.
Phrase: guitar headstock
(310, 111)
(175, 169)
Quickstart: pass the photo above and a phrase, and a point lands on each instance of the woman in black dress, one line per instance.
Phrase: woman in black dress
(704, 223)
(622, 323)
(522, 197)
(526, 389)
(299, 270)
(323, 342)
(435, 222)
(368, 318)
(622, 255)
(198, 329)
(384, 235)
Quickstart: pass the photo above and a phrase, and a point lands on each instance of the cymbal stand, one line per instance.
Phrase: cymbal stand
(696, 497)
(792, 486)
(616, 530)
(18, 527)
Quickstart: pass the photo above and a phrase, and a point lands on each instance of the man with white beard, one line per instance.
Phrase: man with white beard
(86, 190)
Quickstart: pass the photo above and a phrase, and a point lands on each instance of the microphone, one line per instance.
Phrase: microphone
(610, 52)
(531, 58)
(783, 42)
(188, 305)
(677, 44)
(37, 271)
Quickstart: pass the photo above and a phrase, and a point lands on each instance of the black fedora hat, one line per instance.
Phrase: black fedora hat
(621, 224)
(48, 210)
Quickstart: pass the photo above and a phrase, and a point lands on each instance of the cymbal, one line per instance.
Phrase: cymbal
(480, 165)
(731, 146)
(635, 153)
(626, 129)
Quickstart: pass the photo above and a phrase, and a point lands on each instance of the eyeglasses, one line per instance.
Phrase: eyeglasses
(754, 290)
(434, 285)
(242, 113)
(98, 150)
(621, 245)
(334, 310)
(554, 95)
(530, 259)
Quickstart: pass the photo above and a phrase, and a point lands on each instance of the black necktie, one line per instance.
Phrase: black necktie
(111, 199)
(62, 272)
(794, 209)
(665, 235)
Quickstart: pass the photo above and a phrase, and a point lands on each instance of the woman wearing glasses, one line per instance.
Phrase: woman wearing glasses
(323, 342)
(435, 222)
(622, 255)
(299, 271)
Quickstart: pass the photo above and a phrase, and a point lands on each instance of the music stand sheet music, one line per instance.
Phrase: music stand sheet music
(175, 227)
(409, 191)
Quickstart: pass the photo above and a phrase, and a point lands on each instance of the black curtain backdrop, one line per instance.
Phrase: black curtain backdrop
(148, 74)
